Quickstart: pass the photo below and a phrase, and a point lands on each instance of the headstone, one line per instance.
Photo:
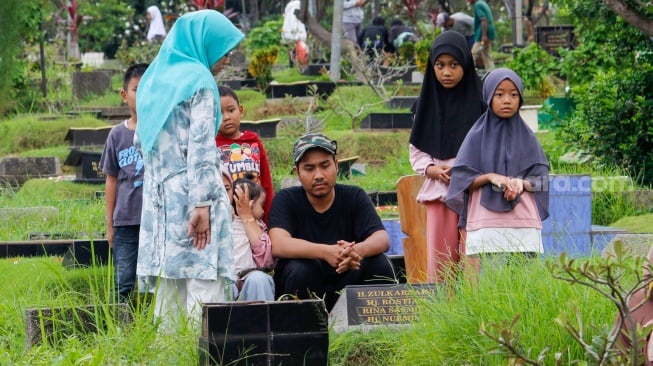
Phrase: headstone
(87, 165)
(264, 333)
(52, 324)
(366, 307)
(550, 38)
(93, 59)
(33, 167)
(87, 83)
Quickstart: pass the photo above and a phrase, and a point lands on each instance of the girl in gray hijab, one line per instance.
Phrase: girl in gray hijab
(499, 182)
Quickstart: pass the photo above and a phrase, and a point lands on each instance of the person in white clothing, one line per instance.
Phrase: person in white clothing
(157, 30)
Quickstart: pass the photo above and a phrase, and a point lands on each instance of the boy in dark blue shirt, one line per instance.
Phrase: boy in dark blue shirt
(123, 166)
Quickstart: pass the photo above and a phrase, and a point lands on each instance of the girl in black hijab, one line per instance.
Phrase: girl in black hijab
(500, 178)
(449, 104)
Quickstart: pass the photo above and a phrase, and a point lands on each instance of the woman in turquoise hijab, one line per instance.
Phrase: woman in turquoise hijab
(185, 234)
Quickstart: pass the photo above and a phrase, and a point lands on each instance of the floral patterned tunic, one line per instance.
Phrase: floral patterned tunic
(182, 172)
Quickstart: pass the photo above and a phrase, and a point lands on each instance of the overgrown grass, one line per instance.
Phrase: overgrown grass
(31, 132)
(447, 332)
(78, 210)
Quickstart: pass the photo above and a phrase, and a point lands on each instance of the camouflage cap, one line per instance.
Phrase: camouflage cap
(311, 141)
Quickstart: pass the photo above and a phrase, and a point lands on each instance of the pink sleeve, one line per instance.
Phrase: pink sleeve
(262, 249)
(420, 160)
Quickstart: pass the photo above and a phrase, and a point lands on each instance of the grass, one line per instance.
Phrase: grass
(635, 224)
(447, 332)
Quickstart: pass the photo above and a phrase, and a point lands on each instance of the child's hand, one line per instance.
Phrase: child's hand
(514, 188)
(243, 203)
(441, 173)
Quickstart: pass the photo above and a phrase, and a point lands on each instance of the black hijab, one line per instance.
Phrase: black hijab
(443, 116)
(503, 146)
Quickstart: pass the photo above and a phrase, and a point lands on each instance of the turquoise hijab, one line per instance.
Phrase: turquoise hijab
(182, 67)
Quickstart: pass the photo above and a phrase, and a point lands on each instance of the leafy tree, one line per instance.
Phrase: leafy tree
(611, 77)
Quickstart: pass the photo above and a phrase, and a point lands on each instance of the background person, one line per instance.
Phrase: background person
(185, 237)
(352, 18)
(157, 30)
(484, 34)
(459, 22)
(327, 235)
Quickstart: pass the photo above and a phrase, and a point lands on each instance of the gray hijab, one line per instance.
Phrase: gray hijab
(503, 146)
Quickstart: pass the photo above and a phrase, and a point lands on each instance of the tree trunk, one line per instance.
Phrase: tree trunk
(254, 14)
(630, 15)
(349, 49)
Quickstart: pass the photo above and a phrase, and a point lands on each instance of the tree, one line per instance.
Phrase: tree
(637, 13)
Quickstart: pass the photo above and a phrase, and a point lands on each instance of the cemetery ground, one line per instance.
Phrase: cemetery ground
(448, 331)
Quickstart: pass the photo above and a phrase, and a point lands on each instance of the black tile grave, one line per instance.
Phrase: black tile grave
(300, 89)
(344, 166)
(34, 248)
(264, 128)
(377, 120)
(270, 333)
(316, 69)
(86, 253)
(401, 102)
(87, 165)
(82, 136)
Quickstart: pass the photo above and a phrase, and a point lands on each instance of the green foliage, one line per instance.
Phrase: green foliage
(265, 36)
(18, 19)
(534, 65)
(422, 50)
(612, 120)
(144, 52)
(103, 21)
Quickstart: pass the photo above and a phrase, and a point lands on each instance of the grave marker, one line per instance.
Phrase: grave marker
(370, 306)
(264, 333)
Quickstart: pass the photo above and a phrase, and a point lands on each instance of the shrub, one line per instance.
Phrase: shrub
(534, 65)
(613, 118)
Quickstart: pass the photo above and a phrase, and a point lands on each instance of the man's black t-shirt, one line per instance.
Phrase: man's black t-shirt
(351, 217)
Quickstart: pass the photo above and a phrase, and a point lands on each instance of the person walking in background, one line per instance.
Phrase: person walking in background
(500, 178)
(242, 152)
(185, 237)
(373, 39)
(293, 33)
(484, 34)
(459, 22)
(157, 30)
(449, 104)
(123, 166)
(352, 18)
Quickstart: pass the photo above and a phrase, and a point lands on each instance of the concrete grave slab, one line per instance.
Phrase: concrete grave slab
(56, 323)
